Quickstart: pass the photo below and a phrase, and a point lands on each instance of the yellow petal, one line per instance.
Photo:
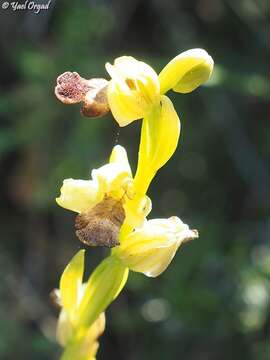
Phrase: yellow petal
(151, 248)
(111, 179)
(159, 139)
(78, 195)
(114, 175)
(186, 71)
(133, 90)
(124, 106)
(119, 156)
(102, 288)
(143, 77)
(136, 207)
(71, 282)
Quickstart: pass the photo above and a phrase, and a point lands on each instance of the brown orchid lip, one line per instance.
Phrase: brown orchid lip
(100, 226)
(71, 88)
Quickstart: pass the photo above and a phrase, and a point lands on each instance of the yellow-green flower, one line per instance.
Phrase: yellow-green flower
(145, 246)
(113, 179)
(151, 248)
(135, 88)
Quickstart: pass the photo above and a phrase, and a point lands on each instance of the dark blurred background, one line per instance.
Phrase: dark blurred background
(213, 301)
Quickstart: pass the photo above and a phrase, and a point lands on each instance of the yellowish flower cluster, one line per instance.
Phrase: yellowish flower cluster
(134, 92)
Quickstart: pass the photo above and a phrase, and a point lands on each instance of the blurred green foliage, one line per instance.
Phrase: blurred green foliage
(213, 301)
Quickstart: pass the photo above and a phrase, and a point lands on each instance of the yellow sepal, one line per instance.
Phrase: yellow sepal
(186, 71)
(159, 139)
(78, 195)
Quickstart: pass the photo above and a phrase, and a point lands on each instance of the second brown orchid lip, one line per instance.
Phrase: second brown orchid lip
(100, 226)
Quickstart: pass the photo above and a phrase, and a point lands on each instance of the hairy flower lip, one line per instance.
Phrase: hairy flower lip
(71, 88)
